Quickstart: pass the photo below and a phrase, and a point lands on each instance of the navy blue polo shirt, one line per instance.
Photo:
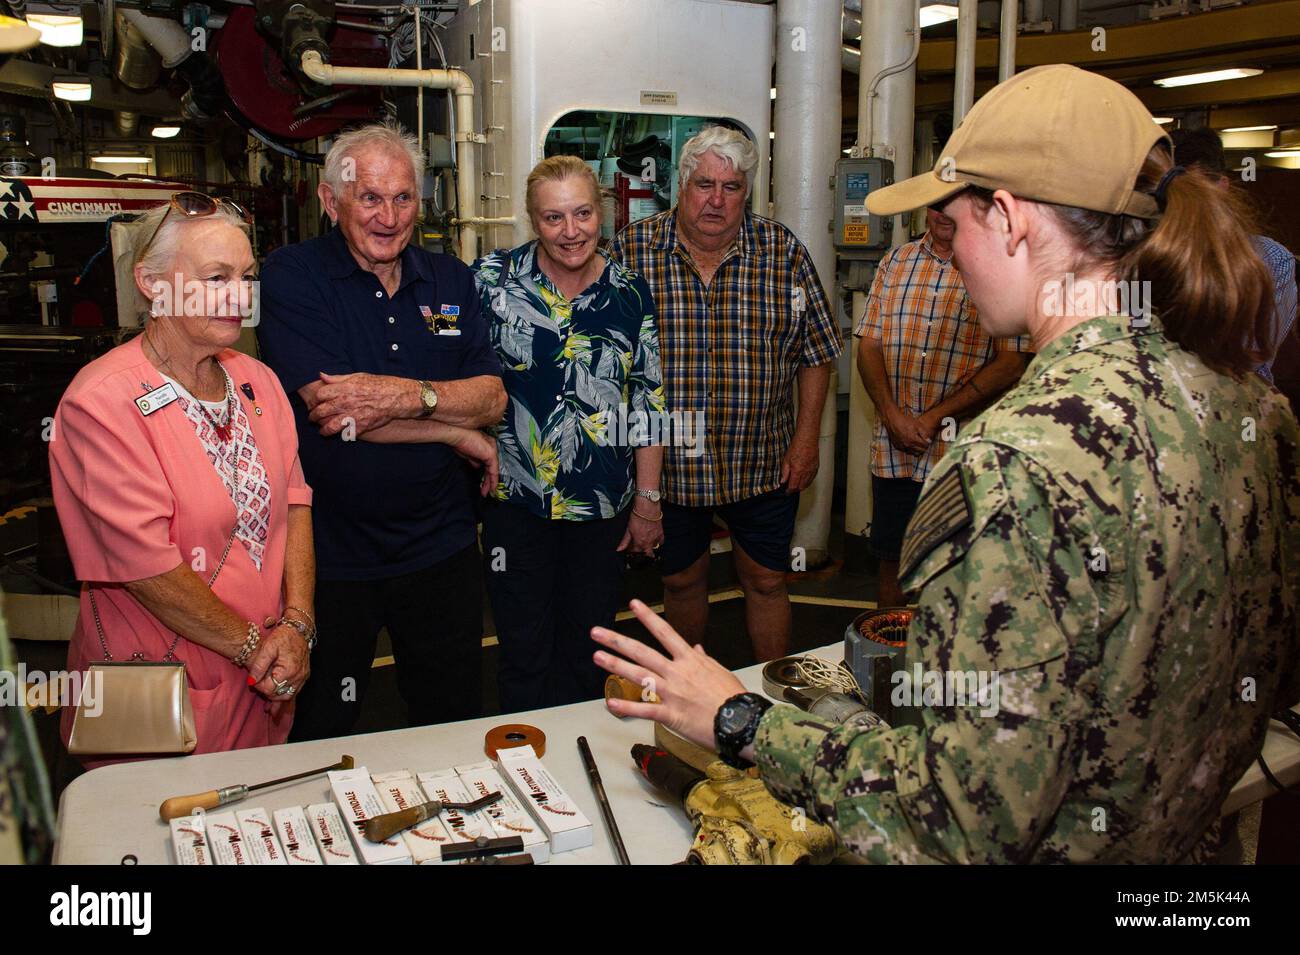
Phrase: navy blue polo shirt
(378, 510)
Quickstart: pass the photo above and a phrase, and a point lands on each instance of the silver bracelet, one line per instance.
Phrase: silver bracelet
(250, 645)
(310, 619)
(308, 635)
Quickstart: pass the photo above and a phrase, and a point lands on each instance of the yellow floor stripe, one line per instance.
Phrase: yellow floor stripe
(832, 602)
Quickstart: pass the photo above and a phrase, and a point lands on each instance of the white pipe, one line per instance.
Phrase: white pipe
(864, 142)
(461, 86)
(885, 39)
(807, 145)
(1007, 40)
(963, 92)
(166, 36)
(1069, 14)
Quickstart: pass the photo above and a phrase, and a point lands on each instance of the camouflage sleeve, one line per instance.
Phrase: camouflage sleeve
(995, 550)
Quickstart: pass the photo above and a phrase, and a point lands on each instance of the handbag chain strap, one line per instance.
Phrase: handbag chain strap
(170, 656)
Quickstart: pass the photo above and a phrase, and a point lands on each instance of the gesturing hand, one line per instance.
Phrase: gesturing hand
(690, 684)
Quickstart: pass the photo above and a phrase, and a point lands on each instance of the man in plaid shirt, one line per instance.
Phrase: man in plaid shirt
(926, 363)
(743, 321)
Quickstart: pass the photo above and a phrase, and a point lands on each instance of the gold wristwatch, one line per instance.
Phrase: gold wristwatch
(428, 399)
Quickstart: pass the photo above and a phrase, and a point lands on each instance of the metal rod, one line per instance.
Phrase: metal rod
(344, 763)
(605, 809)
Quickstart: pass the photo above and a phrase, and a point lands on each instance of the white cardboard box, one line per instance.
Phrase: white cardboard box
(545, 798)
(331, 834)
(226, 839)
(259, 837)
(508, 816)
(398, 791)
(295, 834)
(357, 800)
(445, 786)
(190, 842)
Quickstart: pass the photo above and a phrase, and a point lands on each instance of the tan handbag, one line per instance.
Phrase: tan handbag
(137, 707)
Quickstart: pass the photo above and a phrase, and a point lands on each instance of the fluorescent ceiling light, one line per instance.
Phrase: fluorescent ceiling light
(56, 29)
(166, 132)
(1250, 129)
(73, 88)
(1283, 154)
(1163, 120)
(937, 13)
(1212, 76)
(123, 160)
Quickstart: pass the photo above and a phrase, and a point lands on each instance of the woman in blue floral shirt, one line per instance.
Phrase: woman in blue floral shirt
(579, 443)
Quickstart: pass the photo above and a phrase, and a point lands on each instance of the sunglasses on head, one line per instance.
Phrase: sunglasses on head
(195, 205)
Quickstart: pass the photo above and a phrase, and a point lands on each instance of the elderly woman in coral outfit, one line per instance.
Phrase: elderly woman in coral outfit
(175, 468)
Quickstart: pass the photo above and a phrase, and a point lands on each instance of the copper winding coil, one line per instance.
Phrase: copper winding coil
(509, 735)
(886, 626)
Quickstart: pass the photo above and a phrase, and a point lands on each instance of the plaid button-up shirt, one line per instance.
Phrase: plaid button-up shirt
(932, 341)
(730, 352)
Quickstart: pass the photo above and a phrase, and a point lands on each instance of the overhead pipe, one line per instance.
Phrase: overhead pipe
(963, 90)
(317, 70)
(1007, 40)
(135, 62)
(206, 96)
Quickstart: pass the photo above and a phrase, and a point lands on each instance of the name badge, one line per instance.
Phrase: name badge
(156, 399)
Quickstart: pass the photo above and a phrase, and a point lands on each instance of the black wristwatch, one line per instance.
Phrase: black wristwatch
(736, 725)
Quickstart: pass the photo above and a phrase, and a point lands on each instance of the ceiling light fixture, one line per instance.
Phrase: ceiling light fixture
(1212, 76)
(56, 29)
(71, 87)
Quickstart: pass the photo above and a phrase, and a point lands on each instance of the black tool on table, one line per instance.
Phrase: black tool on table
(605, 809)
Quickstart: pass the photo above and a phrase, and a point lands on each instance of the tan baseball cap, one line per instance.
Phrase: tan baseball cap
(1052, 133)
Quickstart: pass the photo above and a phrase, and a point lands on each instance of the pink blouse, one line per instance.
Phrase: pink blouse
(137, 496)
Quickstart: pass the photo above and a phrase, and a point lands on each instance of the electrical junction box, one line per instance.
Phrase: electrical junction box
(855, 179)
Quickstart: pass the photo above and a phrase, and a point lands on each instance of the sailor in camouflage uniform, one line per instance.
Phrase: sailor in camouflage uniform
(1116, 540)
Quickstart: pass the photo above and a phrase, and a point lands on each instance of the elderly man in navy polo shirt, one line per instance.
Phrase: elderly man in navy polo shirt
(388, 366)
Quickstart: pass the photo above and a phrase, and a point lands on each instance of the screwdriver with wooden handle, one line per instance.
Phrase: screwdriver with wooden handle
(177, 806)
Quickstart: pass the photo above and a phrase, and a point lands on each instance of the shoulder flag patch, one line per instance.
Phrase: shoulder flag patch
(942, 511)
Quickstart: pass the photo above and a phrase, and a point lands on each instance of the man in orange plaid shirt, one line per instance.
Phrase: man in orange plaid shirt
(927, 365)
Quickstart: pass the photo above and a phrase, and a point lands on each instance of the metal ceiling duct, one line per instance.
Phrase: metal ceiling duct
(136, 64)
(127, 123)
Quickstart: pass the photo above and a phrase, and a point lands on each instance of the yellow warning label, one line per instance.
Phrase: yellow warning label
(856, 232)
